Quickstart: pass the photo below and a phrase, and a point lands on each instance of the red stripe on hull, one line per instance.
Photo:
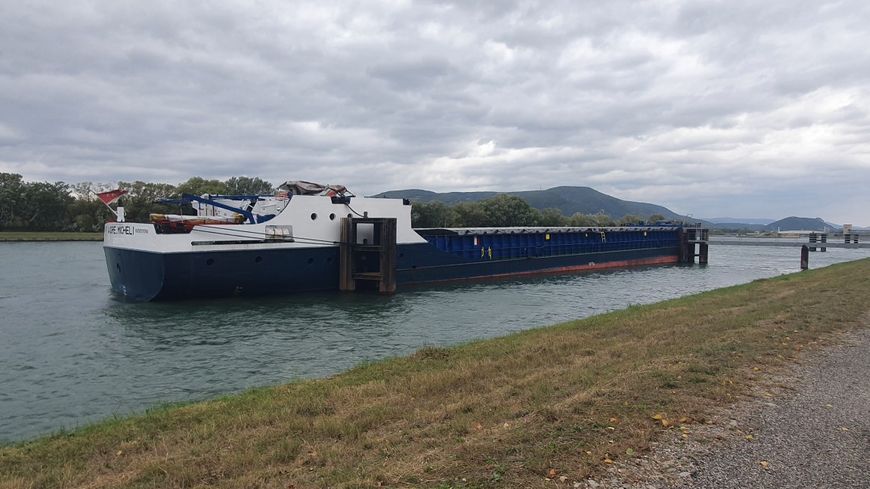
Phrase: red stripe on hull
(659, 260)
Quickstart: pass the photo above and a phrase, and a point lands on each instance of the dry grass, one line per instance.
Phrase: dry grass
(504, 412)
(48, 236)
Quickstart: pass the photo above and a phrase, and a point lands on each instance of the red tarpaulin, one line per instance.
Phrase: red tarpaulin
(111, 195)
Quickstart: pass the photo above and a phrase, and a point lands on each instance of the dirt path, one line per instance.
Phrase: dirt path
(808, 428)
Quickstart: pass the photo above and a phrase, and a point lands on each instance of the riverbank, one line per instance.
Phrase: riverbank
(558, 402)
(801, 426)
(767, 442)
(48, 236)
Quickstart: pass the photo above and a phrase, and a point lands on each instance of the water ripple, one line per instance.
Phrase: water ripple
(73, 355)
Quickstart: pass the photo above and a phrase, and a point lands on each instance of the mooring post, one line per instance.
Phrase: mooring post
(387, 263)
(687, 247)
(824, 239)
(346, 281)
(805, 257)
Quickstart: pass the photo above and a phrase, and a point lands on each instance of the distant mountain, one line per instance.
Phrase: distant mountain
(569, 200)
(794, 223)
(741, 220)
(738, 226)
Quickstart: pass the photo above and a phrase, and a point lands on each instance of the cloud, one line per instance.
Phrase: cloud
(710, 107)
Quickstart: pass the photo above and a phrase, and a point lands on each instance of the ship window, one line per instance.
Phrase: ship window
(332, 217)
(310, 261)
(118, 266)
(210, 261)
(313, 216)
(349, 216)
(258, 259)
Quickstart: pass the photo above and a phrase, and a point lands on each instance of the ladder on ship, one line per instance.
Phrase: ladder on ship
(368, 253)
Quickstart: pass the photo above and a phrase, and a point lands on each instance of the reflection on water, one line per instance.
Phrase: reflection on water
(70, 353)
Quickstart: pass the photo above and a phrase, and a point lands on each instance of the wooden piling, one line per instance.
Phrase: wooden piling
(348, 237)
(692, 239)
(703, 252)
(805, 257)
(687, 246)
(387, 284)
(358, 260)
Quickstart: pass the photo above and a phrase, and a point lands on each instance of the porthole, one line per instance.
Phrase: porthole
(329, 260)
(258, 259)
(332, 217)
(313, 216)
(210, 261)
(349, 216)
(310, 261)
(401, 255)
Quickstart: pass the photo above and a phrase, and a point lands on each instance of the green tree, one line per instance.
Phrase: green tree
(147, 190)
(87, 215)
(507, 210)
(656, 218)
(551, 217)
(432, 215)
(602, 220)
(630, 220)
(141, 198)
(470, 214)
(85, 212)
(581, 220)
(44, 206)
(248, 186)
(200, 186)
(11, 188)
(89, 190)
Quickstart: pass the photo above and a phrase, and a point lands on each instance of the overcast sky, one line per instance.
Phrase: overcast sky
(731, 108)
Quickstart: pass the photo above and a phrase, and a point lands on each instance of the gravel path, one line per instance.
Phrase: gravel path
(818, 437)
(807, 428)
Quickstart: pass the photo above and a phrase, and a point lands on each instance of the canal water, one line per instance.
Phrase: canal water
(71, 354)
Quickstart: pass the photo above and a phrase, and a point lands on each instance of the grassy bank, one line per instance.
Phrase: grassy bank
(48, 236)
(551, 402)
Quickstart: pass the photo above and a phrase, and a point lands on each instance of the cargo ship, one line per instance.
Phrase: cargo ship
(310, 237)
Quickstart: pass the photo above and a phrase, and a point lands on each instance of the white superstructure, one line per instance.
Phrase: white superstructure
(305, 221)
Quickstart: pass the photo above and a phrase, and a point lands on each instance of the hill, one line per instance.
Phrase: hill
(739, 226)
(740, 220)
(794, 223)
(568, 200)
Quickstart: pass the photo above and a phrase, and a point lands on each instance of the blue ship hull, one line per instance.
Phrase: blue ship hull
(144, 276)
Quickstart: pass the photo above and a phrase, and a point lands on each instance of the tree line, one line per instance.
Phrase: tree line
(59, 206)
(506, 211)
